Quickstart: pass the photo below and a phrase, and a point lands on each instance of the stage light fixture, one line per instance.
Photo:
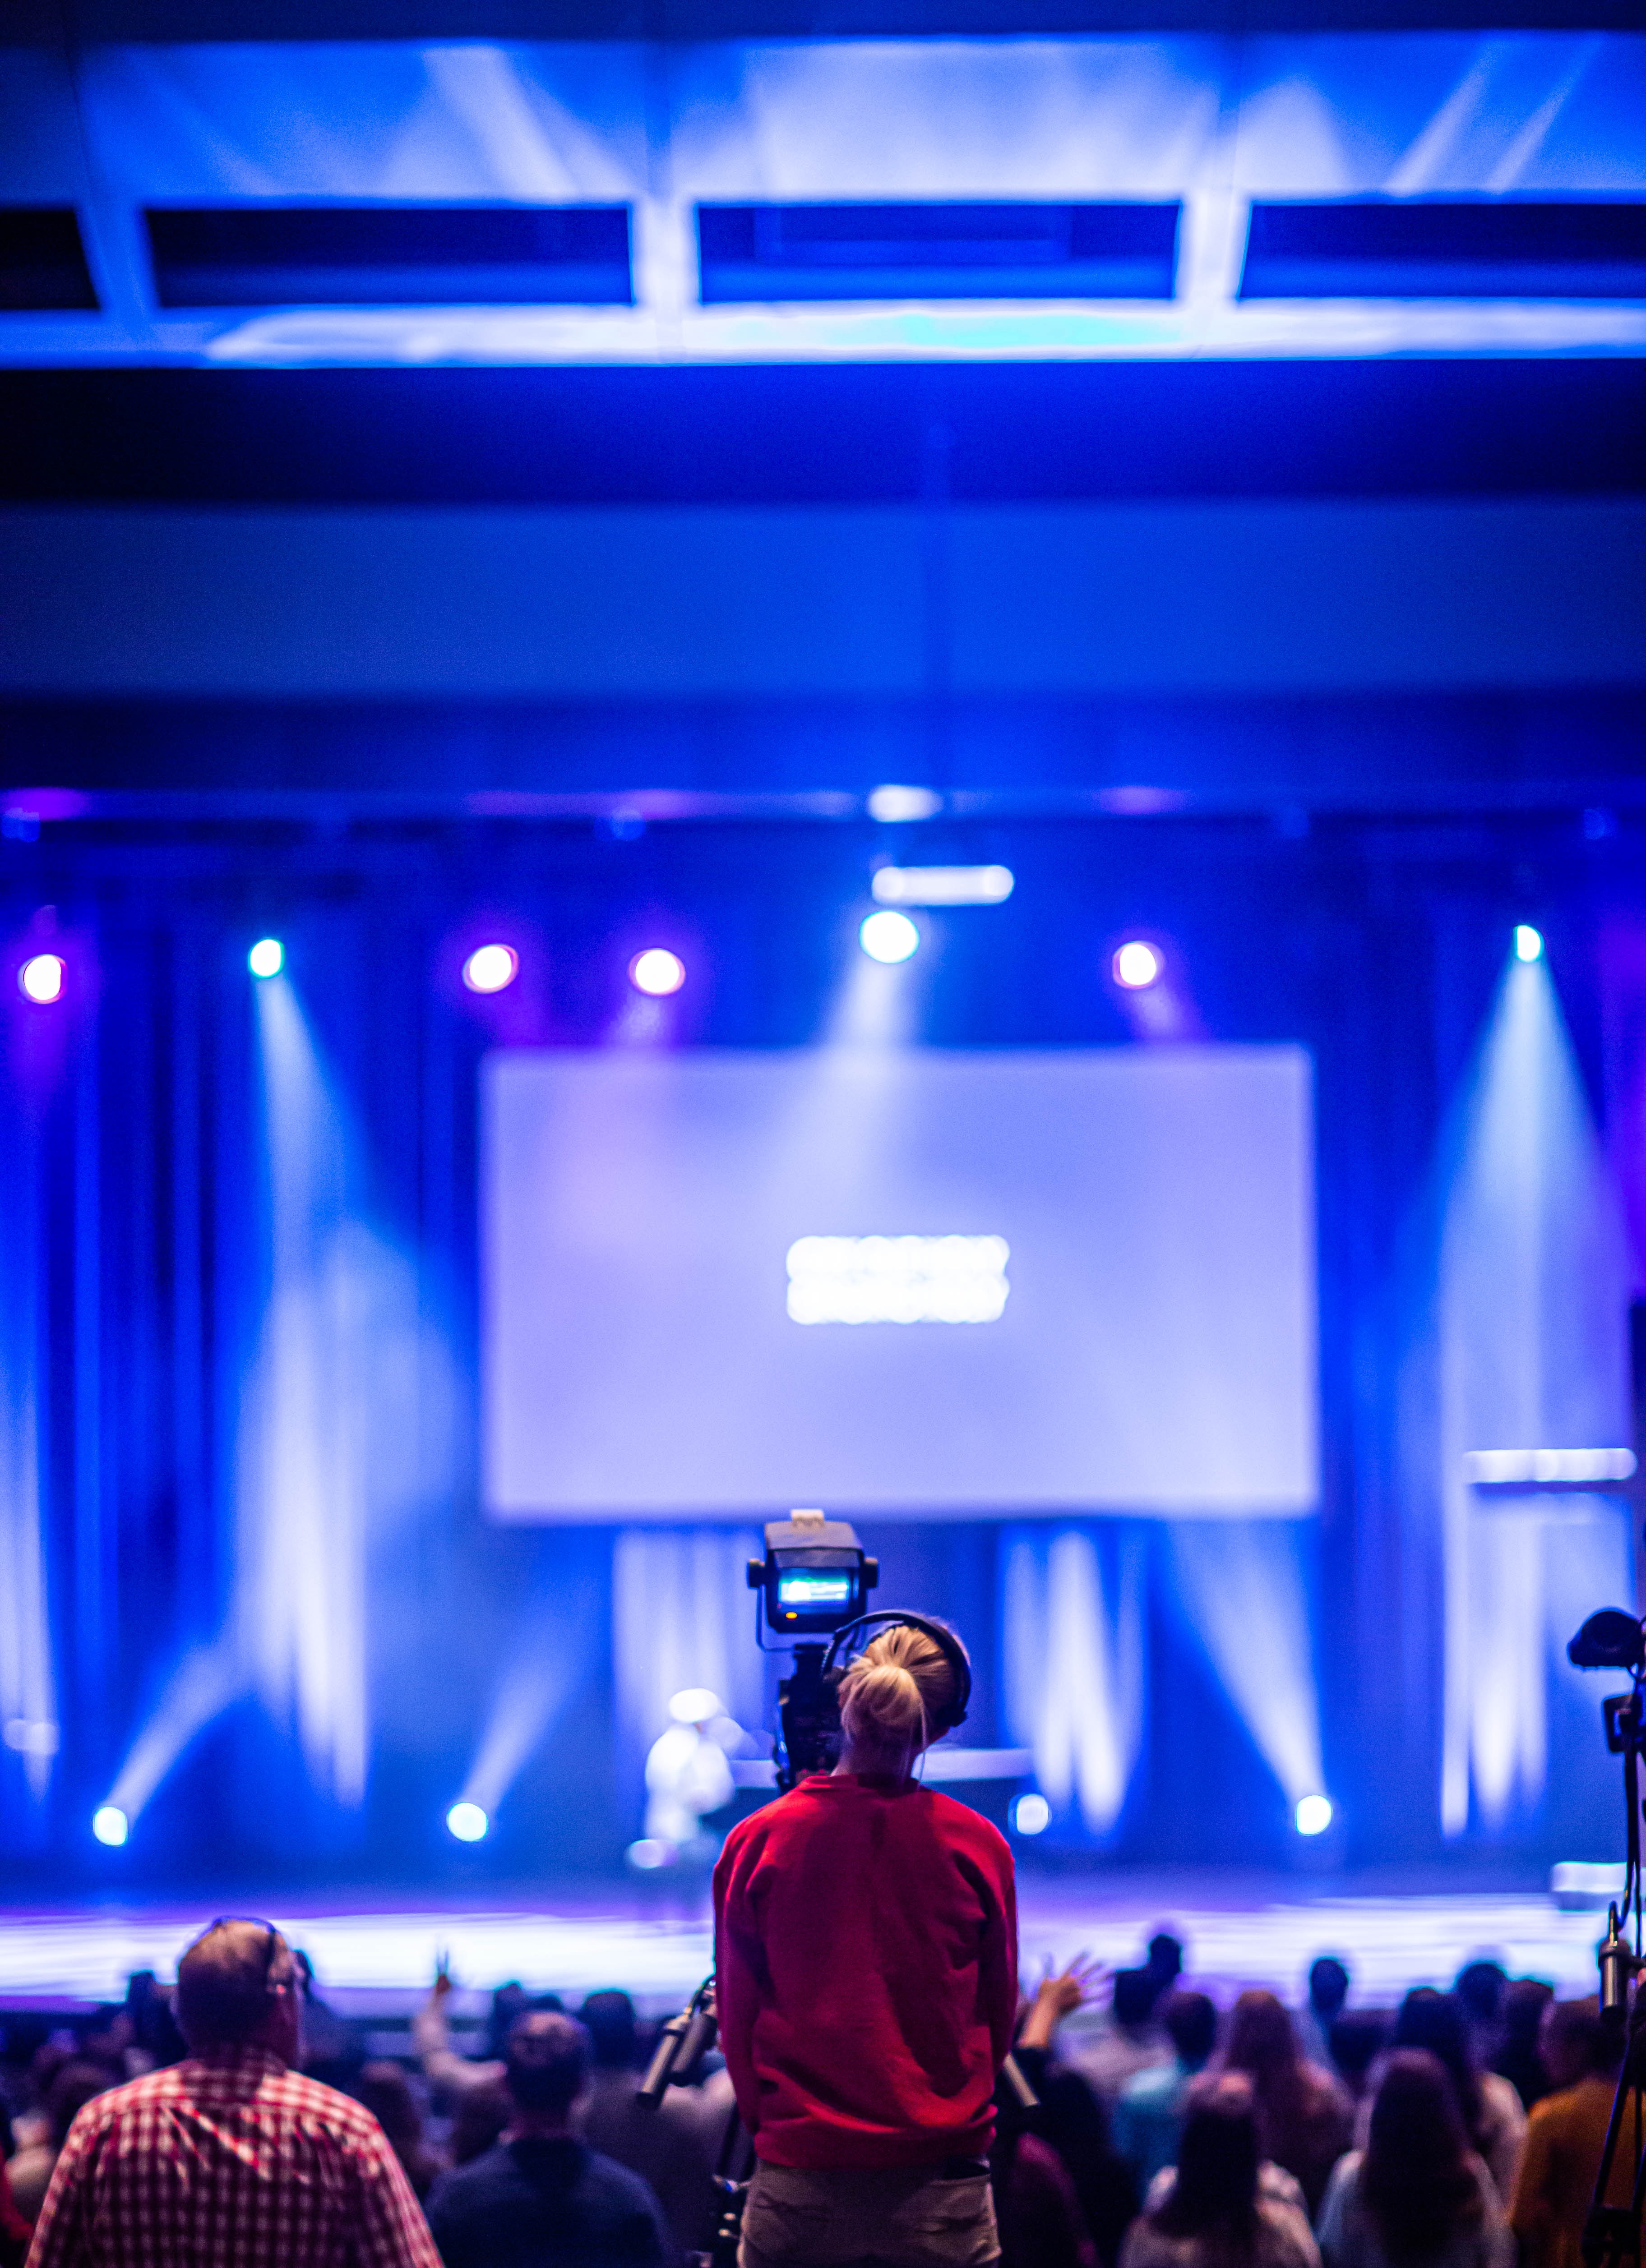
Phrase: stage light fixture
(1313, 1815)
(657, 972)
(888, 936)
(110, 1825)
(468, 1822)
(266, 957)
(1504, 1468)
(491, 969)
(1030, 1815)
(1137, 965)
(942, 885)
(40, 979)
(890, 804)
(1528, 942)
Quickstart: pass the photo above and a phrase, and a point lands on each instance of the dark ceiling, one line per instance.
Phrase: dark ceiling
(51, 22)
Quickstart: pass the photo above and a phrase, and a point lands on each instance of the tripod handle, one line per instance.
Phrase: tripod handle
(1617, 1965)
(682, 2044)
(1017, 2082)
(660, 2070)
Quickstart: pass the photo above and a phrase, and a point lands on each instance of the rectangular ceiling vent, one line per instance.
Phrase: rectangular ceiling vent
(809, 252)
(1447, 249)
(390, 255)
(42, 260)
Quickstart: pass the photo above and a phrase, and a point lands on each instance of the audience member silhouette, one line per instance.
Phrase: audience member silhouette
(1328, 1991)
(1036, 2211)
(73, 2085)
(1566, 2137)
(1479, 1986)
(674, 2146)
(1418, 2196)
(1493, 2117)
(1220, 2204)
(385, 2091)
(1305, 2119)
(1520, 2059)
(1355, 2043)
(480, 2116)
(232, 2155)
(1148, 2115)
(540, 2197)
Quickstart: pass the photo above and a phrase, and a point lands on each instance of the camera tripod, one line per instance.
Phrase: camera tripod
(1614, 1640)
(677, 2060)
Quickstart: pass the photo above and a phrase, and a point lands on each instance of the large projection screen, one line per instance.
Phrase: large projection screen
(1105, 1260)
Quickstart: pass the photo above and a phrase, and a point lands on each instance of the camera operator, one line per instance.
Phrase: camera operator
(866, 1937)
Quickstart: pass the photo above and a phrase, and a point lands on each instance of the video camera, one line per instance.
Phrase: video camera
(814, 1581)
(816, 1575)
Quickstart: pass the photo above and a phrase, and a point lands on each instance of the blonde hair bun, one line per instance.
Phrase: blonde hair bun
(895, 1690)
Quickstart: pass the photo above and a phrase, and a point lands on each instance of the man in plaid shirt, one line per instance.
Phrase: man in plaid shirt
(232, 2159)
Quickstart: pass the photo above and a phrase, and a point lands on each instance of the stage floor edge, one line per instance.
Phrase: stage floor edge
(377, 1955)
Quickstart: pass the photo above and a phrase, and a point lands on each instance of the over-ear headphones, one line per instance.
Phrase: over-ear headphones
(849, 1636)
(273, 1985)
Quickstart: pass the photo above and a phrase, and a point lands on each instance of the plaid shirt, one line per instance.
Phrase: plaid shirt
(229, 2162)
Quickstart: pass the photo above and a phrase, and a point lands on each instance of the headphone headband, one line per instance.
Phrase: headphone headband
(943, 1721)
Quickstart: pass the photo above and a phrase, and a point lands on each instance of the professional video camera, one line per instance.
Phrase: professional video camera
(814, 1581)
(814, 1584)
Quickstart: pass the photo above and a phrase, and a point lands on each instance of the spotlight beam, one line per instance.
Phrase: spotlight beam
(202, 1688)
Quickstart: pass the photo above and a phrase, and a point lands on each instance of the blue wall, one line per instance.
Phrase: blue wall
(640, 603)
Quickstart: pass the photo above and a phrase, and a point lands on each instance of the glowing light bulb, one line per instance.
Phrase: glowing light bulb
(1031, 1814)
(888, 936)
(1528, 942)
(110, 1825)
(1137, 965)
(468, 1822)
(266, 957)
(657, 971)
(491, 968)
(1313, 1815)
(40, 979)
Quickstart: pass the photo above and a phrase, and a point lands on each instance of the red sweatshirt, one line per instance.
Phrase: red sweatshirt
(865, 1961)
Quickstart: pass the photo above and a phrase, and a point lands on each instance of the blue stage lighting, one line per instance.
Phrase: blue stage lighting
(491, 969)
(657, 972)
(40, 979)
(468, 1822)
(1313, 1815)
(1137, 965)
(888, 936)
(890, 804)
(1528, 942)
(110, 1825)
(1031, 1814)
(266, 957)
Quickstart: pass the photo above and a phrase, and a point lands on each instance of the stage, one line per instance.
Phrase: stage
(374, 1960)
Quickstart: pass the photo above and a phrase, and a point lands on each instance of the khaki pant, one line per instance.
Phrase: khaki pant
(908, 2217)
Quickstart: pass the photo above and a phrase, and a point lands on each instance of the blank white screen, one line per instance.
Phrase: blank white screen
(1156, 1352)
